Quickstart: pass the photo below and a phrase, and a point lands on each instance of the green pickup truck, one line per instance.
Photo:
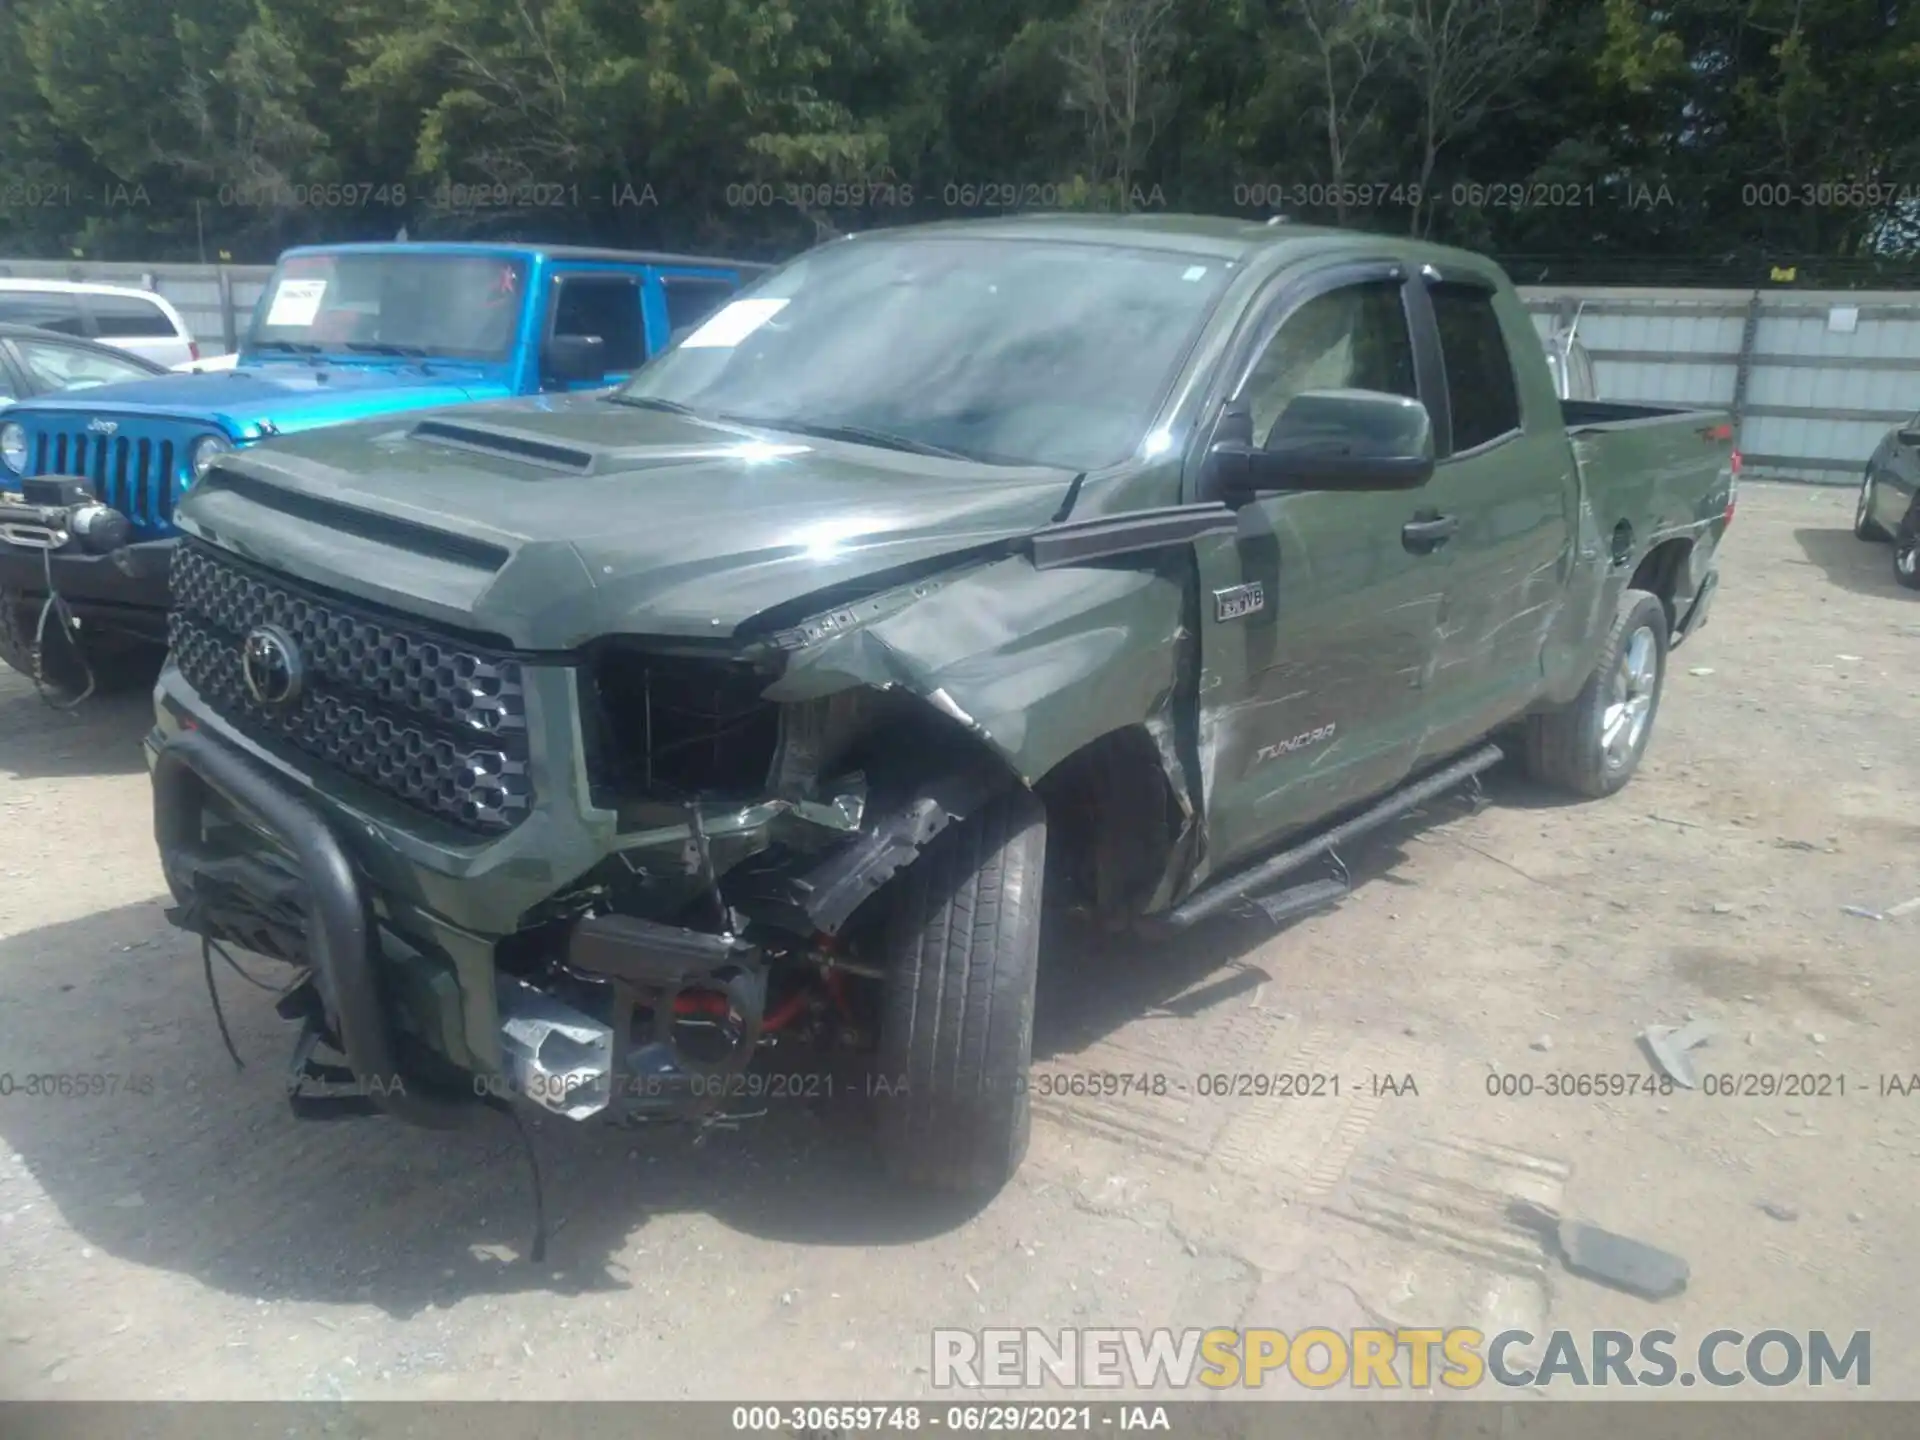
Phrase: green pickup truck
(579, 746)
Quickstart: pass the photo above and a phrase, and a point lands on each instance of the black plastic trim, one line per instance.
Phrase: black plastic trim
(186, 768)
(1080, 542)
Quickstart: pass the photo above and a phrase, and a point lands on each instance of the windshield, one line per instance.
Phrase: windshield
(1021, 352)
(463, 307)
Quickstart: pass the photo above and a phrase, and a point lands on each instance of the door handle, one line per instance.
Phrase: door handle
(1428, 533)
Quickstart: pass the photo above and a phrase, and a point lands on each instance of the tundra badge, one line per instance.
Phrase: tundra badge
(1237, 602)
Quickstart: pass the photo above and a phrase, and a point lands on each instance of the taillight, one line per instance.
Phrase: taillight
(1733, 487)
(1734, 461)
(193, 349)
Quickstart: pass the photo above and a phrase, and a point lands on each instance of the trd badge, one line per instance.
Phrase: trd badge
(1237, 602)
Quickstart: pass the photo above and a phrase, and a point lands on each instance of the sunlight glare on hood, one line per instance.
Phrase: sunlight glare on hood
(825, 540)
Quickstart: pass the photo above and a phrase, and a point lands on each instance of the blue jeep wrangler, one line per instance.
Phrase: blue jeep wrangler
(89, 479)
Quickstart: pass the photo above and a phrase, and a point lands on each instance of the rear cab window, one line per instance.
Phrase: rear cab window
(128, 317)
(1481, 393)
(56, 310)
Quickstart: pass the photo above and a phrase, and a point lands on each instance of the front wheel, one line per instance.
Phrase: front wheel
(962, 951)
(1592, 746)
(1865, 527)
(1906, 548)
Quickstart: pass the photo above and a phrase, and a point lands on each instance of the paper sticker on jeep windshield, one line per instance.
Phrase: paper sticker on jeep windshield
(732, 324)
(296, 302)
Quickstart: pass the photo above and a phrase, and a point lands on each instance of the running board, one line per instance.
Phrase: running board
(1258, 880)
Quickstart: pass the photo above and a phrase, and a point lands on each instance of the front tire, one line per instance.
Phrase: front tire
(1865, 527)
(962, 950)
(1592, 746)
(1906, 548)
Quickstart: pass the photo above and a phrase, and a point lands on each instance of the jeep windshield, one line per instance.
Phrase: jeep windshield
(1011, 351)
(408, 305)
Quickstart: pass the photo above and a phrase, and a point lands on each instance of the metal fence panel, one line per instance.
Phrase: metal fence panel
(1814, 378)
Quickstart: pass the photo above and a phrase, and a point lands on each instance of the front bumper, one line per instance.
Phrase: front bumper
(125, 588)
(429, 1025)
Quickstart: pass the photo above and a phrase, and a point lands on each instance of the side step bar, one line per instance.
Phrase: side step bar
(1257, 880)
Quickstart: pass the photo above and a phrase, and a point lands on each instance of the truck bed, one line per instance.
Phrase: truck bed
(1581, 415)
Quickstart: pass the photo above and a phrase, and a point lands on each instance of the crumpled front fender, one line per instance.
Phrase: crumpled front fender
(1036, 663)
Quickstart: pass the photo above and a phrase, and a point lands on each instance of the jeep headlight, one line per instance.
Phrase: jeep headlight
(13, 446)
(205, 451)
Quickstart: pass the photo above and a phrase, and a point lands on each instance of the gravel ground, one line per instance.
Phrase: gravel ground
(185, 1238)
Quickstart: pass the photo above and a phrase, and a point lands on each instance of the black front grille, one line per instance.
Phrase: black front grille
(436, 722)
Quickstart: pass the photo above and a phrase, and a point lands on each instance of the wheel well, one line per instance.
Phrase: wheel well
(1659, 573)
(1112, 821)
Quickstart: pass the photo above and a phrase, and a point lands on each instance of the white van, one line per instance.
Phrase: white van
(137, 321)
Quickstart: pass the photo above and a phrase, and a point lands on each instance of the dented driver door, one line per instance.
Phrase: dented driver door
(1317, 623)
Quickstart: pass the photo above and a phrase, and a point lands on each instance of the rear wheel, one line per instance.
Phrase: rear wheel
(1906, 548)
(1865, 527)
(1592, 746)
(962, 950)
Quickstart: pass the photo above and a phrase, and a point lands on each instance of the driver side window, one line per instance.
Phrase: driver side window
(1353, 338)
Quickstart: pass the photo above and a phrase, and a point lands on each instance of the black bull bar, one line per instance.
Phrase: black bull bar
(186, 769)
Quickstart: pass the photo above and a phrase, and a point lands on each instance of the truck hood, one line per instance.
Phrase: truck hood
(552, 521)
(289, 397)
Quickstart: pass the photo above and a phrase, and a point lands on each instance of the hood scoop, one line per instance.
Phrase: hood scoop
(507, 444)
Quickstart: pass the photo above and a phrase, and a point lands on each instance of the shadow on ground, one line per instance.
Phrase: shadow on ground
(1865, 567)
(100, 736)
(190, 1166)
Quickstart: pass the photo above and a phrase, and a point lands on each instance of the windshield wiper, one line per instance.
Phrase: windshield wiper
(858, 434)
(371, 347)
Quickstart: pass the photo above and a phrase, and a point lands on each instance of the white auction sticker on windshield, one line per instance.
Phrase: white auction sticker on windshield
(296, 302)
(732, 324)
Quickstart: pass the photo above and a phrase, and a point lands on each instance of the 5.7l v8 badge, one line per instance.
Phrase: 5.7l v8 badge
(1237, 602)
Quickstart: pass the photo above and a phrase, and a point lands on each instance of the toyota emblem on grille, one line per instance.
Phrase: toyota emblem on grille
(103, 427)
(270, 665)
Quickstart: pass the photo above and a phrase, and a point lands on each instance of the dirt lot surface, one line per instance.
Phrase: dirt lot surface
(186, 1238)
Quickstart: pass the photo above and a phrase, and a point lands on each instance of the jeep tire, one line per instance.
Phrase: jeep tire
(962, 948)
(1592, 745)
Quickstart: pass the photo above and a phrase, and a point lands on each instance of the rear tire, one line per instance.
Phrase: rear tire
(1906, 548)
(1865, 527)
(1592, 746)
(962, 950)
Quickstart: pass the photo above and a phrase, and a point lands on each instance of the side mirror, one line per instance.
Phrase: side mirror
(1909, 437)
(572, 358)
(1331, 440)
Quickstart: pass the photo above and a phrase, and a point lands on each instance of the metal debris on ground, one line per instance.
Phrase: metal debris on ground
(1604, 1257)
(1905, 907)
(1774, 1210)
(1701, 670)
(1668, 1046)
(1862, 911)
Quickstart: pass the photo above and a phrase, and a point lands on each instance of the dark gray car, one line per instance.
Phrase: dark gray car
(1889, 507)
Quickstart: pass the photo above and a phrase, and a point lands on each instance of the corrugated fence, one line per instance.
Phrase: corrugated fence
(1815, 378)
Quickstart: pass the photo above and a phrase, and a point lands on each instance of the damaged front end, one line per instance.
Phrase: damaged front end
(660, 876)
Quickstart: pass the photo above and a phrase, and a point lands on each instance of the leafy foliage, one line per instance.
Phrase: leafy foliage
(1717, 132)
